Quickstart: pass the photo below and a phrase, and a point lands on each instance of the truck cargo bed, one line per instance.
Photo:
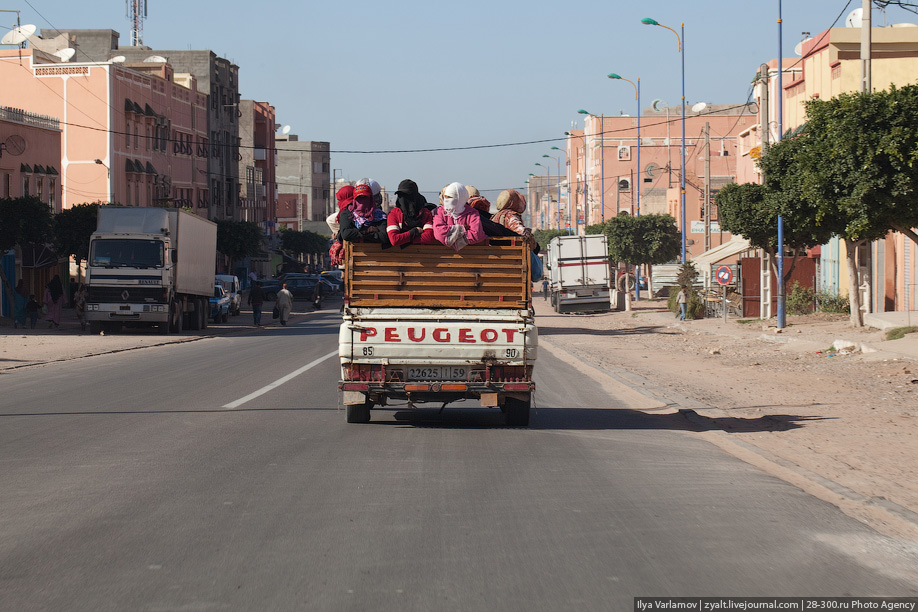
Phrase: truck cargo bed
(435, 276)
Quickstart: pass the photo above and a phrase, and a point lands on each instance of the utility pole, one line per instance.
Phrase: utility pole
(866, 263)
(707, 186)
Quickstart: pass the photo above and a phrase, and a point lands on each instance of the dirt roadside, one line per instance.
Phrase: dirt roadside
(842, 426)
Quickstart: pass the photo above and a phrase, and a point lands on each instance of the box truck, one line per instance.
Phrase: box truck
(578, 273)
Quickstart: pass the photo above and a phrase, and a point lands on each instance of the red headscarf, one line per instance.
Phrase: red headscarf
(345, 196)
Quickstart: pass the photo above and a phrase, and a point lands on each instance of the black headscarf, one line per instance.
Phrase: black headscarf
(410, 201)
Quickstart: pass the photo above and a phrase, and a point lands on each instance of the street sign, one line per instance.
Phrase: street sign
(724, 275)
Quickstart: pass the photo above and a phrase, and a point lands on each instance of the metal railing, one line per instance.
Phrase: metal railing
(18, 115)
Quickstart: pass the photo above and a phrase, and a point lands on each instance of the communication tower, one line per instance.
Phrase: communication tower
(136, 13)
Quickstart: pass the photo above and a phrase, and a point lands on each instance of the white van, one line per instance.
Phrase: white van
(232, 287)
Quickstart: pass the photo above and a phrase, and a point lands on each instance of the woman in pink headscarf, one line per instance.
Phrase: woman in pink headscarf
(457, 224)
(345, 197)
(363, 220)
(511, 205)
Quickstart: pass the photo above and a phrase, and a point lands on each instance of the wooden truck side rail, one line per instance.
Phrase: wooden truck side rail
(435, 276)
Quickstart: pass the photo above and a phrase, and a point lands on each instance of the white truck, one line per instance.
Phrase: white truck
(150, 267)
(426, 324)
(578, 273)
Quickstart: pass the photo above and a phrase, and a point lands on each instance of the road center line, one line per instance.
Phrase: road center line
(279, 381)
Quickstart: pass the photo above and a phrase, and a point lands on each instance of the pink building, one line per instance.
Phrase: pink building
(30, 156)
(605, 179)
(257, 168)
(133, 134)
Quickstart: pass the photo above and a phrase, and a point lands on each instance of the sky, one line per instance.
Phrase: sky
(371, 76)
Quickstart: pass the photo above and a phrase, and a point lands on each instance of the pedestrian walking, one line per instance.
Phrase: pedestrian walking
(54, 301)
(284, 304)
(79, 305)
(256, 299)
(544, 289)
(682, 300)
(32, 308)
(20, 298)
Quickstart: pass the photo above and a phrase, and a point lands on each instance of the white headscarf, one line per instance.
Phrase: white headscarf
(455, 197)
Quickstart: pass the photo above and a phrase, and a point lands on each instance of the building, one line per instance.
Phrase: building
(606, 179)
(830, 64)
(132, 134)
(257, 168)
(303, 183)
(217, 78)
(544, 193)
(30, 156)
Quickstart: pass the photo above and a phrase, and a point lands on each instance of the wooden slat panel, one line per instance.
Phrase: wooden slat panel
(478, 276)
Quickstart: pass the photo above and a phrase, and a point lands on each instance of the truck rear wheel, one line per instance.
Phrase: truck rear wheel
(516, 412)
(358, 413)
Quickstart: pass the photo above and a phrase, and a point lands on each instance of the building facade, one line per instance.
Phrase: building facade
(257, 169)
(303, 182)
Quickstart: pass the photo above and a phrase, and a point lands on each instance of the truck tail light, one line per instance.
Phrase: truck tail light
(455, 387)
(355, 387)
(412, 387)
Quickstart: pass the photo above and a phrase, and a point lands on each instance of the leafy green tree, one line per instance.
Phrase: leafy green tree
(644, 240)
(862, 169)
(23, 221)
(303, 242)
(72, 229)
(543, 237)
(238, 239)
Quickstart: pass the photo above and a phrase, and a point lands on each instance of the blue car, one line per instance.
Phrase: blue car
(219, 305)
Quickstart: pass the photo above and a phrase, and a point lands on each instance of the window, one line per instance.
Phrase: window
(52, 193)
(6, 182)
(137, 137)
(325, 167)
(40, 188)
(25, 185)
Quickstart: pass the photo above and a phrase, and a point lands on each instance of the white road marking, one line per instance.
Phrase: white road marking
(279, 381)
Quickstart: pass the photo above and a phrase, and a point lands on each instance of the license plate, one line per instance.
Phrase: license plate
(438, 373)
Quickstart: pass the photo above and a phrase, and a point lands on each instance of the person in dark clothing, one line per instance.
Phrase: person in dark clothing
(256, 299)
(363, 221)
(410, 222)
(32, 308)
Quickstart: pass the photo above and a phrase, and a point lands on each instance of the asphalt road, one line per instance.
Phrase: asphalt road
(221, 475)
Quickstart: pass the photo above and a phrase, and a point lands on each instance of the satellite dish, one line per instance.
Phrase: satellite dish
(798, 48)
(65, 54)
(156, 59)
(119, 59)
(285, 130)
(855, 18)
(14, 145)
(697, 108)
(655, 105)
(18, 35)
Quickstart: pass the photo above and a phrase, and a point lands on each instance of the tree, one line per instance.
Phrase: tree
(22, 221)
(238, 239)
(863, 169)
(543, 237)
(644, 240)
(73, 228)
(302, 243)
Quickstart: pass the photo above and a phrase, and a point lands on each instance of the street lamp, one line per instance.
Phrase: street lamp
(782, 316)
(548, 190)
(567, 163)
(680, 38)
(602, 162)
(637, 186)
(558, 165)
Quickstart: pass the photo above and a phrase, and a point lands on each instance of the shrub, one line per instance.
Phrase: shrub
(694, 307)
(899, 332)
(800, 299)
(832, 302)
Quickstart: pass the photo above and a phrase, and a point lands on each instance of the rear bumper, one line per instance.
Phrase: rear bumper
(490, 394)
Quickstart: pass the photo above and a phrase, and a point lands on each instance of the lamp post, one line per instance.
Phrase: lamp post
(602, 163)
(637, 186)
(567, 162)
(782, 316)
(558, 165)
(531, 199)
(680, 38)
(547, 190)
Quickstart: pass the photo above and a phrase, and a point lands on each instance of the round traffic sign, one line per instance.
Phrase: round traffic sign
(724, 275)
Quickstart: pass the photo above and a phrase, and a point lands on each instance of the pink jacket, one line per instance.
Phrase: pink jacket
(469, 218)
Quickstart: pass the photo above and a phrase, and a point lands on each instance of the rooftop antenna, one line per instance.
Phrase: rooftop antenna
(18, 35)
(136, 13)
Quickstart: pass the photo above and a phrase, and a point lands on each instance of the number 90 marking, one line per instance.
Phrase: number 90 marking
(512, 353)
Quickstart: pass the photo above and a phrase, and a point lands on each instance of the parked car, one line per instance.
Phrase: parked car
(334, 277)
(232, 287)
(219, 305)
(302, 286)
